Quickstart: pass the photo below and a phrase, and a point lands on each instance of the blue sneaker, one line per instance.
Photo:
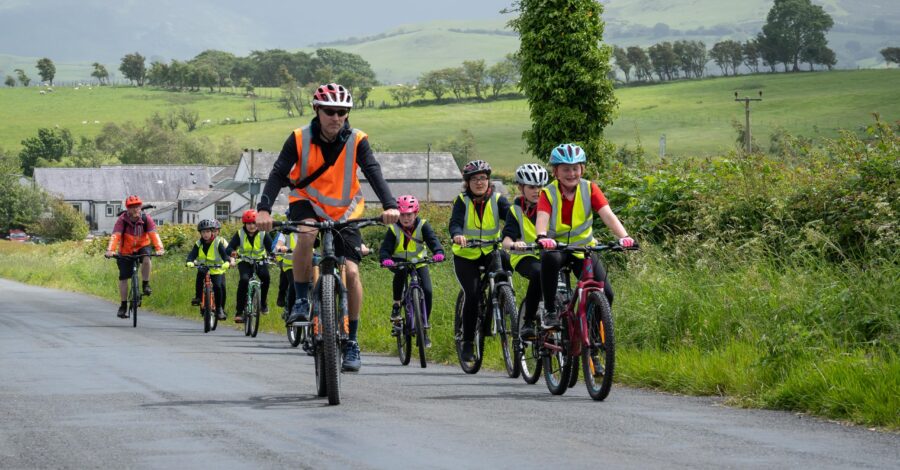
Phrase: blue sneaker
(352, 361)
(300, 312)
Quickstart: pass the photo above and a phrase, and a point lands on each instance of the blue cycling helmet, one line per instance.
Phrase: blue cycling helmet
(567, 153)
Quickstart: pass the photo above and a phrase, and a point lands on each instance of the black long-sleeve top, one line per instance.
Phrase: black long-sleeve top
(279, 177)
(236, 241)
(195, 252)
(511, 229)
(458, 216)
(389, 244)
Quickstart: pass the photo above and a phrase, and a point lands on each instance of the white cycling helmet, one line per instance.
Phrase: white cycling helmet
(332, 95)
(532, 174)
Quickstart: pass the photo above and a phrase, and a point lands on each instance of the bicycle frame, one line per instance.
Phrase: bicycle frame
(135, 296)
(489, 285)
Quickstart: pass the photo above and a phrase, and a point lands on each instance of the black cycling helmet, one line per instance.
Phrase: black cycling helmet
(207, 224)
(474, 167)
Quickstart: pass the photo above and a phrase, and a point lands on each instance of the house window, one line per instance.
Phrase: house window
(76, 206)
(223, 208)
(113, 209)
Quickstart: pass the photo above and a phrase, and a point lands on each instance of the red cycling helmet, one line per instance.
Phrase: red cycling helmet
(133, 200)
(249, 216)
(332, 95)
(408, 204)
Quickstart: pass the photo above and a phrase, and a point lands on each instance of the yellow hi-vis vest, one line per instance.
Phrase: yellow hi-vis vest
(486, 229)
(529, 235)
(580, 232)
(254, 251)
(415, 249)
(210, 257)
(287, 260)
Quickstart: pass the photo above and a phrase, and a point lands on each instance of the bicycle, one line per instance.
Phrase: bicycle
(497, 312)
(586, 330)
(254, 296)
(136, 294)
(415, 321)
(208, 298)
(328, 329)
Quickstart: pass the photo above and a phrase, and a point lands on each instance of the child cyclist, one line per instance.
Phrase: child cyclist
(565, 213)
(519, 231)
(208, 251)
(476, 215)
(406, 241)
(250, 243)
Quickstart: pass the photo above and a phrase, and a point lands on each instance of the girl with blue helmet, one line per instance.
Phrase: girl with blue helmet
(565, 213)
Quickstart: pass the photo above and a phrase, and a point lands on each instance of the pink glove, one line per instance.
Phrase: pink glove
(547, 243)
(388, 263)
(626, 242)
(438, 257)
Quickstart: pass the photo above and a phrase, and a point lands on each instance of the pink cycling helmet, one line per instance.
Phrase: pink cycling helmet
(332, 95)
(408, 204)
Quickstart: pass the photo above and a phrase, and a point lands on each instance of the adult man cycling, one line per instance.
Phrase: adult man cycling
(132, 234)
(319, 163)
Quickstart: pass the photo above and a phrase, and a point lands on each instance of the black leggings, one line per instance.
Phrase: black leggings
(286, 287)
(424, 282)
(467, 275)
(246, 270)
(530, 268)
(218, 282)
(552, 262)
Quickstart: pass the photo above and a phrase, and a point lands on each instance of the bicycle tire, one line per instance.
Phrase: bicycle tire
(207, 313)
(328, 315)
(599, 360)
(254, 318)
(556, 365)
(475, 366)
(135, 300)
(404, 338)
(527, 354)
(214, 320)
(573, 371)
(508, 313)
(418, 314)
(248, 309)
(318, 352)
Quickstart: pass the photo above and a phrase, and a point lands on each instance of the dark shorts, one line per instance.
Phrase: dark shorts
(126, 266)
(347, 242)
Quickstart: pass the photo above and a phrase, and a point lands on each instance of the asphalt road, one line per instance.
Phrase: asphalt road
(80, 388)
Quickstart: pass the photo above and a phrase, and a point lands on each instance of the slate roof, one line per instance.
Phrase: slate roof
(198, 199)
(114, 183)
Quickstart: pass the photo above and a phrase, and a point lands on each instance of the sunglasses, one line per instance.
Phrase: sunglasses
(332, 112)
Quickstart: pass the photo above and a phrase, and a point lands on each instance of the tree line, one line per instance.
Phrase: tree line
(472, 79)
(794, 33)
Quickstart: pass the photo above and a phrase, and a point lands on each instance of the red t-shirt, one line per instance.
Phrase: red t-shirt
(598, 201)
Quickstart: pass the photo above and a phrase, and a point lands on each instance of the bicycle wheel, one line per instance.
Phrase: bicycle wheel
(214, 320)
(404, 339)
(135, 300)
(331, 350)
(313, 335)
(248, 310)
(598, 361)
(508, 313)
(556, 365)
(253, 321)
(527, 354)
(467, 367)
(418, 315)
(573, 371)
(206, 309)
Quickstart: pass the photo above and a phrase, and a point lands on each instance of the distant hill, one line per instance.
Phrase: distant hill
(78, 33)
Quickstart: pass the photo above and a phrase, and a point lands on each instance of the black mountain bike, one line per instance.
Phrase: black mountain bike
(135, 296)
(414, 322)
(328, 328)
(497, 312)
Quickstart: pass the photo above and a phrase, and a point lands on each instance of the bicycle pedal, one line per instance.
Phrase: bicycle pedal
(298, 324)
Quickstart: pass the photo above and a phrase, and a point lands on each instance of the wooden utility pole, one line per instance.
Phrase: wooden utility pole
(253, 181)
(748, 145)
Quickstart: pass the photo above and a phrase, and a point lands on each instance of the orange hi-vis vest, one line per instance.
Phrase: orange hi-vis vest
(335, 195)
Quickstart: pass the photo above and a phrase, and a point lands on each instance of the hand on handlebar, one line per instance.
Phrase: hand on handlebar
(626, 242)
(547, 243)
(460, 240)
(264, 221)
(390, 216)
(109, 253)
(388, 263)
(190, 264)
(438, 258)
(160, 252)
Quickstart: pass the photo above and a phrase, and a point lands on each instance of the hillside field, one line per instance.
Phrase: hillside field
(695, 116)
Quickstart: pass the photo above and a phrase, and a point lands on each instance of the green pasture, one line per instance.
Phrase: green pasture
(695, 116)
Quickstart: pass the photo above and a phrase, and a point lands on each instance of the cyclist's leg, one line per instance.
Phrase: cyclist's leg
(289, 295)
(467, 276)
(302, 257)
(266, 279)
(246, 271)
(551, 263)
(198, 287)
(126, 268)
(283, 280)
(397, 285)
(530, 269)
(348, 245)
(218, 282)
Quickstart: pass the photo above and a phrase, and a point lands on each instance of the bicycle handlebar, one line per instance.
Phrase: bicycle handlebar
(408, 264)
(481, 243)
(118, 256)
(608, 246)
(290, 225)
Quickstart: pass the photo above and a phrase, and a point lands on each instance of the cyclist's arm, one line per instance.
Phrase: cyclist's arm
(234, 243)
(387, 246)
(612, 222)
(457, 217)
(268, 244)
(279, 176)
(502, 208)
(431, 239)
(223, 252)
(194, 253)
(542, 216)
(372, 170)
